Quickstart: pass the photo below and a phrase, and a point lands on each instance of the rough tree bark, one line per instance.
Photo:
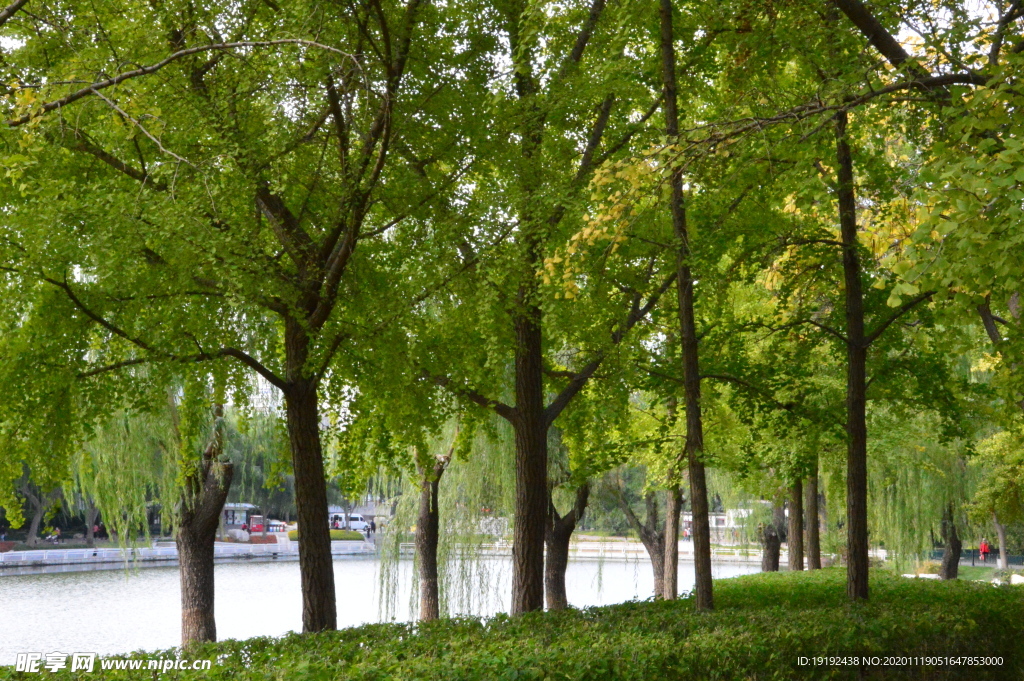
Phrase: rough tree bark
(951, 553)
(652, 537)
(795, 535)
(531, 444)
(1001, 537)
(427, 532)
(703, 586)
(202, 503)
(813, 523)
(556, 539)
(673, 508)
(856, 370)
(316, 565)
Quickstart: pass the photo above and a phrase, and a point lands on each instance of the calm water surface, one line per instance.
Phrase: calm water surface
(113, 611)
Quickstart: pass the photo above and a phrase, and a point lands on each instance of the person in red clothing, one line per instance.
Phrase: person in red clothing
(983, 550)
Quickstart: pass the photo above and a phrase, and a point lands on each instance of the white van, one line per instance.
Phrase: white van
(355, 522)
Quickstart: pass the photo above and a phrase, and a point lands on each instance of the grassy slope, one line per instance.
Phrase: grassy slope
(762, 625)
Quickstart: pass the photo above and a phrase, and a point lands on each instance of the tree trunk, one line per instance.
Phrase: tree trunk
(556, 539)
(202, 505)
(91, 514)
(39, 503)
(770, 545)
(812, 524)
(531, 441)
(951, 552)
(673, 507)
(427, 529)
(688, 332)
(1001, 536)
(856, 385)
(316, 566)
(38, 509)
(795, 548)
(651, 537)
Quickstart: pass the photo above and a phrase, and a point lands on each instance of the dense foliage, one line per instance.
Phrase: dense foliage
(780, 240)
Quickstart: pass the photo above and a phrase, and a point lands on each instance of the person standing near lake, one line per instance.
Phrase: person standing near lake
(983, 550)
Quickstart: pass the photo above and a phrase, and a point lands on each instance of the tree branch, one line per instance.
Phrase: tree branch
(99, 319)
(118, 331)
(878, 36)
(296, 242)
(582, 38)
(8, 12)
(146, 70)
(827, 329)
(988, 320)
(113, 367)
(500, 408)
(580, 379)
(86, 145)
(624, 140)
(603, 114)
(906, 307)
(256, 366)
(341, 243)
(1013, 12)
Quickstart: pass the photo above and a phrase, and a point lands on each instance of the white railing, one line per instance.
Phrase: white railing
(166, 553)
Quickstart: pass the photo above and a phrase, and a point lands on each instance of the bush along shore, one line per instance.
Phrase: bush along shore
(766, 626)
(336, 535)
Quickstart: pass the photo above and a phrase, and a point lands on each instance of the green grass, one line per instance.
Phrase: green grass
(975, 572)
(762, 625)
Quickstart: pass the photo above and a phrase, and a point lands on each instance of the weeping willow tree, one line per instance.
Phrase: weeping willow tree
(919, 484)
(123, 467)
(257, 444)
(474, 502)
(170, 454)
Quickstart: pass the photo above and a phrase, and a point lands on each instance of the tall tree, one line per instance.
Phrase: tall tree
(688, 337)
(240, 193)
(532, 350)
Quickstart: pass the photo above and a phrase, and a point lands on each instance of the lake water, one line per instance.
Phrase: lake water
(114, 611)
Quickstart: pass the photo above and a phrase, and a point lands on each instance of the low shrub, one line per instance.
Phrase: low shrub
(762, 627)
(260, 539)
(346, 535)
(336, 535)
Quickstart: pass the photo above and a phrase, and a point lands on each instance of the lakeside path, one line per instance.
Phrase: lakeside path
(157, 555)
